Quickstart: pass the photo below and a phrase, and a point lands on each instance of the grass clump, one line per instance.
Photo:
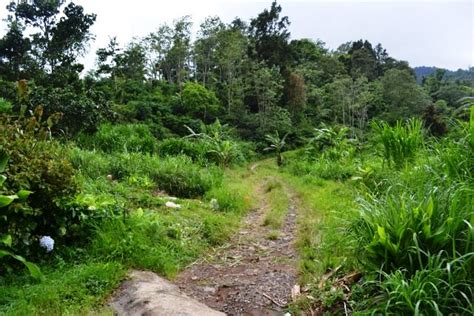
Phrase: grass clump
(277, 199)
(400, 142)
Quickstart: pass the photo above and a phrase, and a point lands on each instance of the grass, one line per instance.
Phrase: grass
(277, 199)
(72, 289)
(322, 239)
(148, 236)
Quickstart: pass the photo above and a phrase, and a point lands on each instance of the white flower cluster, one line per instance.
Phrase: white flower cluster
(47, 243)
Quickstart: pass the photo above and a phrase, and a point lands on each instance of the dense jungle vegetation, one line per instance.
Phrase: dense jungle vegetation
(141, 162)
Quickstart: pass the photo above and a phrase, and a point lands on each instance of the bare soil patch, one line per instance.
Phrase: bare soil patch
(252, 275)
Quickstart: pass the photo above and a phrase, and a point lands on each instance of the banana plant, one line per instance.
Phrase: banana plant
(276, 144)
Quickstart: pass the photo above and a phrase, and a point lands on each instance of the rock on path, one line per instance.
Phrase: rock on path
(148, 294)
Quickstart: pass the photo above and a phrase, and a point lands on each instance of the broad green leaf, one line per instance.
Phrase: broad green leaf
(6, 240)
(2, 179)
(23, 194)
(6, 200)
(4, 253)
(3, 161)
(34, 270)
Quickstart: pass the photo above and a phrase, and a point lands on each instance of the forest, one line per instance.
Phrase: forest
(358, 165)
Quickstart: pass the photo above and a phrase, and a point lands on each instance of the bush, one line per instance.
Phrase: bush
(120, 138)
(323, 168)
(5, 106)
(216, 144)
(37, 164)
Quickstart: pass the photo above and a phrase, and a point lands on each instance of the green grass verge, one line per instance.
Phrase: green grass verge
(153, 237)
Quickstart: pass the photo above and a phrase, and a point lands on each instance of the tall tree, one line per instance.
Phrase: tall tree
(205, 49)
(270, 37)
(57, 38)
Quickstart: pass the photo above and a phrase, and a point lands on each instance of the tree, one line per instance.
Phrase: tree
(265, 85)
(349, 101)
(205, 49)
(178, 58)
(403, 96)
(168, 51)
(296, 94)
(14, 58)
(231, 58)
(57, 38)
(270, 37)
(199, 102)
(277, 144)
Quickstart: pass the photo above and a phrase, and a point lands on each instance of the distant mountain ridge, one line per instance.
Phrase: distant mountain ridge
(460, 74)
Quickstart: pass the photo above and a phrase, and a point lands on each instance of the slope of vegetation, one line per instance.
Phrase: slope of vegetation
(141, 162)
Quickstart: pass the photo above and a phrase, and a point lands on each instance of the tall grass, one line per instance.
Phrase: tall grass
(400, 142)
(120, 138)
(178, 175)
(418, 235)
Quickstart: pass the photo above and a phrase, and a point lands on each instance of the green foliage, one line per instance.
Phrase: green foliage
(401, 142)
(67, 289)
(277, 144)
(175, 175)
(79, 111)
(120, 138)
(418, 233)
(217, 145)
(182, 146)
(6, 239)
(37, 164)
(199, 102)
(179, 176)
(329, 143)
(5, 106)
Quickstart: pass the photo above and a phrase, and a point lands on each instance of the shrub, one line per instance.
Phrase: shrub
(178, 175)
(217, 145)
(120, 138)
(5, 106)
(36, 164)
(329, 143)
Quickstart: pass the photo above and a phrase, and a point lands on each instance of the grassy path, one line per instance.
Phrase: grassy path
(291, 235)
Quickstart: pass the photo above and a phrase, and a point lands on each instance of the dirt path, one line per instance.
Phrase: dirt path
(253, 275)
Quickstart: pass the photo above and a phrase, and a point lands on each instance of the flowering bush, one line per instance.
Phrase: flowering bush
(37, 164)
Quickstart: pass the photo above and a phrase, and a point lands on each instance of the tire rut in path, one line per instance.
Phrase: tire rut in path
(252, 275)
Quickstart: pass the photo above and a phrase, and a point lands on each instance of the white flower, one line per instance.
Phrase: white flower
(172, 205)
(214, 204)
(47, 243)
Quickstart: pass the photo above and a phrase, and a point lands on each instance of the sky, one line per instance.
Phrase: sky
(424, 33)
